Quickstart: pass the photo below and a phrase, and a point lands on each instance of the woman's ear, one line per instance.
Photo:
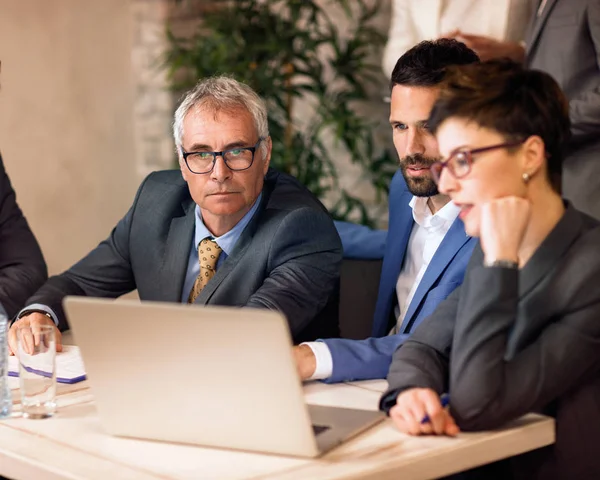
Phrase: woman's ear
(534, 155)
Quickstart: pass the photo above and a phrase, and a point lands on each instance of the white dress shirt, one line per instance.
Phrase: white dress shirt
(427, 233)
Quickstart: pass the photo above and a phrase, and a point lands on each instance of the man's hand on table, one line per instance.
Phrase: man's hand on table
(32, 323)
(306, 363)
(411, 408)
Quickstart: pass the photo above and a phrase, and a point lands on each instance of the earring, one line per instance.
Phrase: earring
(526, 177)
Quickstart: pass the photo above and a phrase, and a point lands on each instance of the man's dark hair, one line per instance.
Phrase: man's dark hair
(517, 103)
(425, 64)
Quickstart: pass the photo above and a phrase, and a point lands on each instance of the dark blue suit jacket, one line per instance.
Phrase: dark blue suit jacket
(371, 358)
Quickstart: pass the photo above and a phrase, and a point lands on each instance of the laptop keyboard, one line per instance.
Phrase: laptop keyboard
(317, 429)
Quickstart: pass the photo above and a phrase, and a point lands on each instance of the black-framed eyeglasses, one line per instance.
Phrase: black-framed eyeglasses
(236, 159)
(459, 162)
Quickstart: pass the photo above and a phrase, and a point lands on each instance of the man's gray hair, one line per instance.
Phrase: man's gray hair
(221, 92)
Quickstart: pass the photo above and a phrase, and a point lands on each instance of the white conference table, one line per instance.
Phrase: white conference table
(72, 445)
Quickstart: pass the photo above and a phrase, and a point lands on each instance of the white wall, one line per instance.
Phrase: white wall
(66, 119)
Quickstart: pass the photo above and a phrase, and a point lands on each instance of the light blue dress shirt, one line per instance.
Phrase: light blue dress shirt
(226, 242)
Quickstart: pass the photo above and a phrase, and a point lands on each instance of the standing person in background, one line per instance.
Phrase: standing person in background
(564, 41)
(488, 23)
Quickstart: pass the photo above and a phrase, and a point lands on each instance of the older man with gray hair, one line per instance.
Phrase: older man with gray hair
(224, 230)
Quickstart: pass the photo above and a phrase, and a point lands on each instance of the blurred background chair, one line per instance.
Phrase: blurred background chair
(359, 283)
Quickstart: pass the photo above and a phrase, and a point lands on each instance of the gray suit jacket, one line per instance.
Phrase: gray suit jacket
(508, 342)
(565, 42)
(286, 259)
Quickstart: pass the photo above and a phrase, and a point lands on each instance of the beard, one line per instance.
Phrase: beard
(423, 186)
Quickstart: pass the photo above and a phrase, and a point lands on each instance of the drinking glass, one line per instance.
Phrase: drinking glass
(36, 350)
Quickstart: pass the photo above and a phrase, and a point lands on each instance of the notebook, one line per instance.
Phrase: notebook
(69, 365)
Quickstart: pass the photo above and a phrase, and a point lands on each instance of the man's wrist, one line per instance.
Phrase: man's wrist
(26, 312)
(321, 361)
(308, 361)
(37, 308)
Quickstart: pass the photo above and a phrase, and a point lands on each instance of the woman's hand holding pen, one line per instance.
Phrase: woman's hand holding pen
(421, 411)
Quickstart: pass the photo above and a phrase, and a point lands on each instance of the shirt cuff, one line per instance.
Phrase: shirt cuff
(43, 308)
(324, 360)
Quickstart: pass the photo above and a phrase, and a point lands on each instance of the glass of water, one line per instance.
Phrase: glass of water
(36, 350)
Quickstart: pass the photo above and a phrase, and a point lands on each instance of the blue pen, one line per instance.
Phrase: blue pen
(444, 400)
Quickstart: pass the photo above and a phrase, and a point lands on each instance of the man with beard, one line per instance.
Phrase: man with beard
(427, 249)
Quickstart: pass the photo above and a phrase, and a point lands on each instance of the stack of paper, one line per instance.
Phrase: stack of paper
(69, 365)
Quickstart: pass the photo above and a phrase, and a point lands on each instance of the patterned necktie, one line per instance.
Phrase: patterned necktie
(208, 254)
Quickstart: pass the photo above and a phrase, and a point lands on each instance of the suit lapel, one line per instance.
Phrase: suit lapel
(177, 253)
(536, 25)
(400, 236)
(396, 245)
(556, 244)
(451, 244)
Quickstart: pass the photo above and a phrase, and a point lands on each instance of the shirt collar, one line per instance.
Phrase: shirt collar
(423, 217)
(228, 240)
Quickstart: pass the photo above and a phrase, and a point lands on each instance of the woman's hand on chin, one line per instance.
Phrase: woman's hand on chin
(503, 225)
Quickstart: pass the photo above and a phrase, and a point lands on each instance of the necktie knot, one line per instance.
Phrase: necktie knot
(208, 255)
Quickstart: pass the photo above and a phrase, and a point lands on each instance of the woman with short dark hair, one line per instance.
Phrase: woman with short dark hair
(522, 333)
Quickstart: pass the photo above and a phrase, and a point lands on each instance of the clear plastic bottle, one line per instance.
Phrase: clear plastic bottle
(5, 398)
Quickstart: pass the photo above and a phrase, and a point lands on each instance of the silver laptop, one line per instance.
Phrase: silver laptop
(213, 376)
